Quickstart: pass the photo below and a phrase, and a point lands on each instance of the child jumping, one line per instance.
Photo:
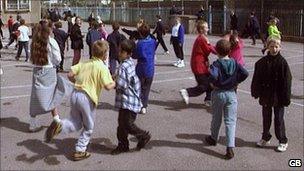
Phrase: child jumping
(225, 75)
(271, 83)
(90, 78)
(199, 65)
(128, 101)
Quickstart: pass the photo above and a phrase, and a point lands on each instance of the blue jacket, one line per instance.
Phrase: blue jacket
(181, 34)
(145, 53)
(226, 74)
(92, 36)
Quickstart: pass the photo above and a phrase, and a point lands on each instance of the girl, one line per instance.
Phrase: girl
(76, 39)
(237, 46)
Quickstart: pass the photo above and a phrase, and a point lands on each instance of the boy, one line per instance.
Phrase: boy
(92, 36)
(60, 36)
(89, 78)
(114, 39)
(128, 102)
(160, 32)
(199, 65)
(271, 83)
(225, 75)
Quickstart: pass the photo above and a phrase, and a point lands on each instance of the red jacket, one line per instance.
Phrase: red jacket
(10, 22)
(199, 57)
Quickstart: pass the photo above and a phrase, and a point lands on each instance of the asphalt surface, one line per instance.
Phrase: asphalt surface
(178, 131)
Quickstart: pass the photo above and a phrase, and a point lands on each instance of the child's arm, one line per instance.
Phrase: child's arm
(110, 86)
(242, 74)
(71, 77)
(255, 84)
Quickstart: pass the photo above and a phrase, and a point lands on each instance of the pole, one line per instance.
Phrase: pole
(301, 23)
(210, 18)
(183, 7)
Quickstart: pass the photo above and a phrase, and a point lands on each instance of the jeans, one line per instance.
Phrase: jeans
(279, 125)
(145, 89)
(202, 87)
(21, 46)
(126, 126)
(224, 102)
(82, 115)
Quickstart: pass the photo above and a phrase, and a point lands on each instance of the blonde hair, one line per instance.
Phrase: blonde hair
(99, 49)
(200, 25)
(273, 39)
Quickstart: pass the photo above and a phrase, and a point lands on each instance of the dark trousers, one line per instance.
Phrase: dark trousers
(178, 48)
(90, 52)
(11, 40)
(62, 59)
(1, 32)
(279, 125)
(145, 89)
(162, 43)
(202, 87)
(126, 126)
(21, 46)
(112, 63)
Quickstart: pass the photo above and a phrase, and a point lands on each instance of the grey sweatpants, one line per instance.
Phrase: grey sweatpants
(82, 114)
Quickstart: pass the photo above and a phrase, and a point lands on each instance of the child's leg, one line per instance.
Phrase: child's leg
(217, 112)
(201, 86)
(77, 53)
(230, 117)
(122, 132)
(279, 125)
(131, 126)
(145, 90)
(88, 111)
(267, 112)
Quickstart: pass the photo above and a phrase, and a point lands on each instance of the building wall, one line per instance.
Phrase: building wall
(31, 16)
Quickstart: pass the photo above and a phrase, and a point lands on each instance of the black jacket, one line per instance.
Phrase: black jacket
(271, 81)
(60, 36)
(160, 29)
(114, 39)
(233, 22)
(76, 37)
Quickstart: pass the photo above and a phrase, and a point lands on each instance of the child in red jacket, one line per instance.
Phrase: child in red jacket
(199, 65)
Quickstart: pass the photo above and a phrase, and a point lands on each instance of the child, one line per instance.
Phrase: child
(160, 32)
(92, 36)
(225, 75)
(177, 40)
(199, 65)
(271, 83)
(272, 31)
(114, 39)
(237, 46)
(23, 40)
(76, 40)
(90, 78)
(128, 102)
(145, 53)
(60, 36)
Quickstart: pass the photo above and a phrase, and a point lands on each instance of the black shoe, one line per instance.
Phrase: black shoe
(229, 153)
(119, 149)
(263, 51)
(53, 130)
(210, 140)
(17, 58)
(142, 141)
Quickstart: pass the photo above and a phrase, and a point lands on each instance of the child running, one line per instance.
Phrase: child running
(90, 78)
(128, 101)
(271, 83)
(225, 75)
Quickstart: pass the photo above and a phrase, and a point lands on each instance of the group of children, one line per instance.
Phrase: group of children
(132, 83)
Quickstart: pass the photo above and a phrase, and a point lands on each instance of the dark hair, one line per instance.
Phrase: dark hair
(115, 25)
(158, 16)
(144, 30)
(233, 39)
(58, 24)
(127, 46)
(223, 47)
(95, 24)
(22, 21)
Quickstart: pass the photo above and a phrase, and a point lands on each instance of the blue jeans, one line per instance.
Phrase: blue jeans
(224, 101)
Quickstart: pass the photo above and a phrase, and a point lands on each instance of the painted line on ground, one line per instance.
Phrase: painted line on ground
(19, 86)
(14, 97)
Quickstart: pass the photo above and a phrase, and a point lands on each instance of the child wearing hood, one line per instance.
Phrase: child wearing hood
(225, 75)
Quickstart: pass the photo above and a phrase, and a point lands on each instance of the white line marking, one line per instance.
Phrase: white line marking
(19, 86)
(177, 79)
(172, 72)
(14, 97)
(9, 65)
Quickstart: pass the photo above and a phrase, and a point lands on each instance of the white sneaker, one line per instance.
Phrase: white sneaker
(262, 143)
(185, 96)
(166, 53)
(207, 103)
(282, 147)
(143, 110)
(176, 63)
(34, 125)
(181, 64)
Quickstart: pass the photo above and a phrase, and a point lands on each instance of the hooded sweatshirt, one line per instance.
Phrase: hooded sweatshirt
(226, 73)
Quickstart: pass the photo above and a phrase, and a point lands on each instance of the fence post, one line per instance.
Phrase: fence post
(225, 19)
(301, 23)
(210, 19)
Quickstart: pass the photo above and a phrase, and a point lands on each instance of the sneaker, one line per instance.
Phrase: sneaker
(1, 71)
(53, 130)
(17, 58)
(210, 140)
(166, 53)
(143, 140)
(282, 147)
(34, 125)
(78, 155)
(263, 143)
(176, 63)
(185, 95)
(119, 149)
(207, 103)
(143, 110)
(181, 64)
(229, 153)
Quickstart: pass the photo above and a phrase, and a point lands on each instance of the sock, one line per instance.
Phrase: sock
(56, 118)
